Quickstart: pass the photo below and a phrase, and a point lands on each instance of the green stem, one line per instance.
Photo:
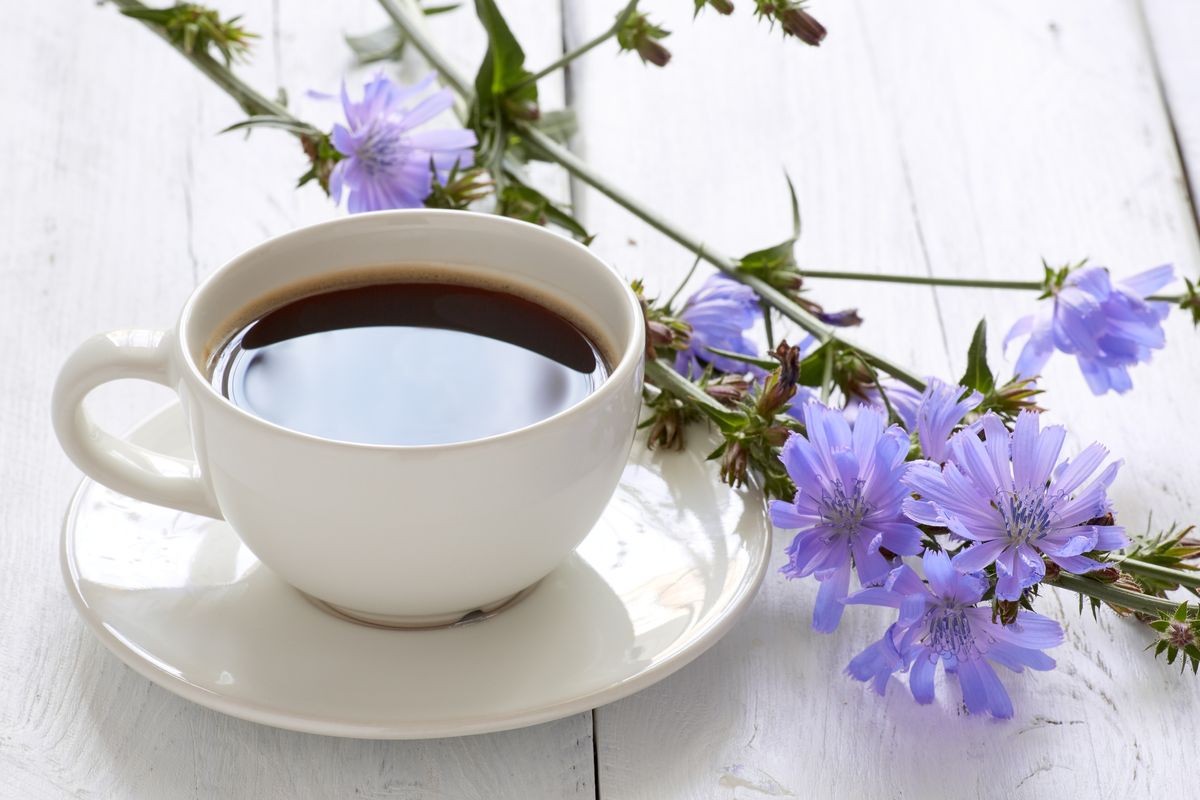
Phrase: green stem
(250, 100)
(567, 58)
(1136, 567)
(412, 22)
(670, 381)
(924, 280)
(1111, 594)
(413, 26)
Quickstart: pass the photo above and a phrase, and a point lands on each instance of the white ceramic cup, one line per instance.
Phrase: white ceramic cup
(406, 535)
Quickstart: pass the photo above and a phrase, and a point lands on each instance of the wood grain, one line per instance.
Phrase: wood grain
(120, 198)
(953, 139)
(926, 138)
(1171, 29)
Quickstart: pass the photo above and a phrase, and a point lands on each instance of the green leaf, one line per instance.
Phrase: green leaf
(503, 68)
(777, 261)
(268, 121)
(520, 201)
(1181, 612)
(979, 374)
(385, 44)
(720, 451)
(812, 368)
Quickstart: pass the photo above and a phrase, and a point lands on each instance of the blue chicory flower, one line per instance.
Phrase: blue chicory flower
(942, 407)
(847, 504)
(720, 313)
(386, 162)
(1011, 498)
(1108, 326)
(939, 622)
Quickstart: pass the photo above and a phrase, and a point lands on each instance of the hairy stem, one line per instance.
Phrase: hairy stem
(1136, 567)
(412, 23)
(921, 280)
(1111, 594)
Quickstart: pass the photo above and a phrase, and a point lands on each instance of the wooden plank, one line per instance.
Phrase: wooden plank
(1172, 27)
(958, 139)
(122, 196)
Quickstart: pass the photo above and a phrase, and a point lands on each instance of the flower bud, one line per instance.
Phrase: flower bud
(776, 435)
(1005, 611)
(639, 34)
(735, 464)
(1110, 574)
(799, 23)
(728, 389)
(1179, 634)
(780, 385)
(720, 6)
(667, 430)
(845, 318)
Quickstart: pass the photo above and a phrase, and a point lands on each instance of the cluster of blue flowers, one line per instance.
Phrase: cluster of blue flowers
(1002, 500)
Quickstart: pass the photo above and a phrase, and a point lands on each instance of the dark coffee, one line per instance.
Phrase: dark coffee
(408, 363)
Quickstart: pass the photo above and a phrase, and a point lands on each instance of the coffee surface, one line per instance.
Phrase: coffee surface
(408, 364)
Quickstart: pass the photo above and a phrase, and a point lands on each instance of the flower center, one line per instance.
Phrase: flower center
(1026, 514)
(842, 509)
(950, 633)
(382, 150)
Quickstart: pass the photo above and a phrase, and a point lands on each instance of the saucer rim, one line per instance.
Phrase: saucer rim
(665, 665)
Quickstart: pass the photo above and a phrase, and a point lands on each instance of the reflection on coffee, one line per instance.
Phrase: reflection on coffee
(408, 364)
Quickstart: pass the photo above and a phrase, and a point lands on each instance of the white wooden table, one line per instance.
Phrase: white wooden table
(946, 138)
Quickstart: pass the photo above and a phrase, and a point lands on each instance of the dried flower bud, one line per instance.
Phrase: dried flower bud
(728, 389)
(793, 18)
(776, 435)
(735, 464)
(799, 23)
(780, 385)
(720, 6)
(666, 431)
(1005, 611)
(846, 318)
(639, 34)
(1108, 574)
(1052, 571)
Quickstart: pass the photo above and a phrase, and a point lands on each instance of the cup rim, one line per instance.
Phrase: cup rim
(628, 360)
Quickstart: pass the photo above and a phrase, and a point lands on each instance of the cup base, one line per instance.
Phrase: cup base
(420, 622)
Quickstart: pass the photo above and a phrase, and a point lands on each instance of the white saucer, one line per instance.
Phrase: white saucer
(673, 562)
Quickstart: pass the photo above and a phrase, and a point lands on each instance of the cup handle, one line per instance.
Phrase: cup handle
(120, 465)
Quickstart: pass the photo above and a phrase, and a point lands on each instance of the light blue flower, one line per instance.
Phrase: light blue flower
(386, 162)
(1012, 499)
(940, 622)
(720, 312)
(847, 504)
(1108, 326)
